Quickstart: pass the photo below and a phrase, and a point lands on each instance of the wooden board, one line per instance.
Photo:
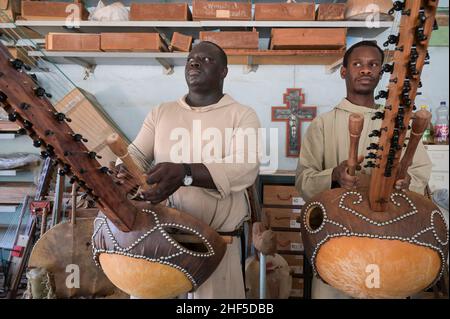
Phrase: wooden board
(72, 42)
(89, 120)
(11, 8)
(160, 12)
(132, 42)
(232, 39)
(331, 12)
(285, 11)
(308, 39)
(181, 42)
(7, 126)
(282, 218)
(13, 193)
(221, 10)
(50, 10)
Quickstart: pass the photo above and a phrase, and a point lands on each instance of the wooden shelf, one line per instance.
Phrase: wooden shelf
(13, 193)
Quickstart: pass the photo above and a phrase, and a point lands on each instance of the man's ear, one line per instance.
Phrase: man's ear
(224, 72)
(343, 72)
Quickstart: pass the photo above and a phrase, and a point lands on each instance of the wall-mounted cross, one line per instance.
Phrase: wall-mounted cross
(294, 114)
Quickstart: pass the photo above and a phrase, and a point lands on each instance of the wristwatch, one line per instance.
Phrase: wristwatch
(187, 180)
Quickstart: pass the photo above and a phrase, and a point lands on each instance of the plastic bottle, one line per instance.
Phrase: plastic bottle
(441, 125)
(427, 137)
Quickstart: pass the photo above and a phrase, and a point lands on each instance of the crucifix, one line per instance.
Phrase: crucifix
(294, 114)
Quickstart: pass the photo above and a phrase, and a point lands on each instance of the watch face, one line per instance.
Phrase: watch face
(187, 180)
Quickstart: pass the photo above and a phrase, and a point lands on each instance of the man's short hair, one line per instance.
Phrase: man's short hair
(366, 43)
(222, 54)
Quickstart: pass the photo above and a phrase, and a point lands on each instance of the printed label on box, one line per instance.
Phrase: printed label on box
(222, 13)
(298, 201)
(297, 269)
(296, 211)
(294, 224)
(296, 246)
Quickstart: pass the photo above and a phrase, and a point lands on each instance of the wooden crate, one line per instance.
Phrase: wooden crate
(221, 10)
(308, 39)
(281, 195)
(331, 12)
(72, 42)
(282, 218)
(49, 10)
(181, 42)
(232, 39)
(132, 42)
(285, 11)
(289, 242)
(295, 262)
(160, 12)
(89, 120)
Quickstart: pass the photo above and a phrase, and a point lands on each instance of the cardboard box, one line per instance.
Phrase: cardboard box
(181, 42)
(285, 11)
(281, 218)
(160, 12)
(297, 290)
(232, 39)
(221, 10)
(282, 195)
(49, 10)
(295, 262)
(90, 120)
(331, 12)
(11, 8)
(308, 39)
(72, 42)
(133, 42)
(289, 241)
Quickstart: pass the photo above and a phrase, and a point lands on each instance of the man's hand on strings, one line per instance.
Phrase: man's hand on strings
(165, 179)
(343, 178)
(123, 178)
(403, 184)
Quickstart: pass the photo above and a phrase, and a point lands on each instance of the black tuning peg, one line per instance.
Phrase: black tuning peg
(12, 117)
(420, 85)
(22, 131)
(64, 170)
(50, 150)
(40, 92)
(407, 86)
(73, 179)
(17, 64)
(79, 138)
(60, 117)
(388, 68)
(38, 143)
(397, 6)
(24, 106)
(420, 33)
(93, 155)
(34, 77)
(414, 55)
(375, 133)
(45, 154)
(375, 147)
(3, 97)
(392, 39)
(27, 124)
(373, 156)
(422, 16)
(105, 170)
(388, 173)
(407, 101)
(371, 165)
(378, 115)
(382, 95)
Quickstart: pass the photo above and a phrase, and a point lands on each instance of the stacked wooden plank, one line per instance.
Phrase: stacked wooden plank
(160, 12)
(308, 39)
(221, 10)
(12, 193)
(232, 39)
(285, 11)
(50, 10)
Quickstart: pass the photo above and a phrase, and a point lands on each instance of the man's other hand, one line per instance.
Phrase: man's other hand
(343, 178)
(403, 184)
(165, 179)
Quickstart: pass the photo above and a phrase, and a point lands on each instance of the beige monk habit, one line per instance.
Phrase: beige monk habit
(326, 144)
(176, 132)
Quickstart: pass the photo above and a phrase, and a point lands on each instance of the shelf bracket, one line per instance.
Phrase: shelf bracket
(168, 68)
(250, 67)
(89, 68)
(333, 67)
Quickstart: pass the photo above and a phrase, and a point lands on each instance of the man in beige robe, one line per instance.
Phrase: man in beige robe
(205, 128)
(325, 146)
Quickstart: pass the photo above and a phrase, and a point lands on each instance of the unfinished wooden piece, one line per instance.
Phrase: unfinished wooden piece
(221, 10)
(50, 10)
(160, 12)
(331, 12)
(308, 39)
(180, 42)
(232, 39)
(285, 11)
(132, 42)
(72, 42)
